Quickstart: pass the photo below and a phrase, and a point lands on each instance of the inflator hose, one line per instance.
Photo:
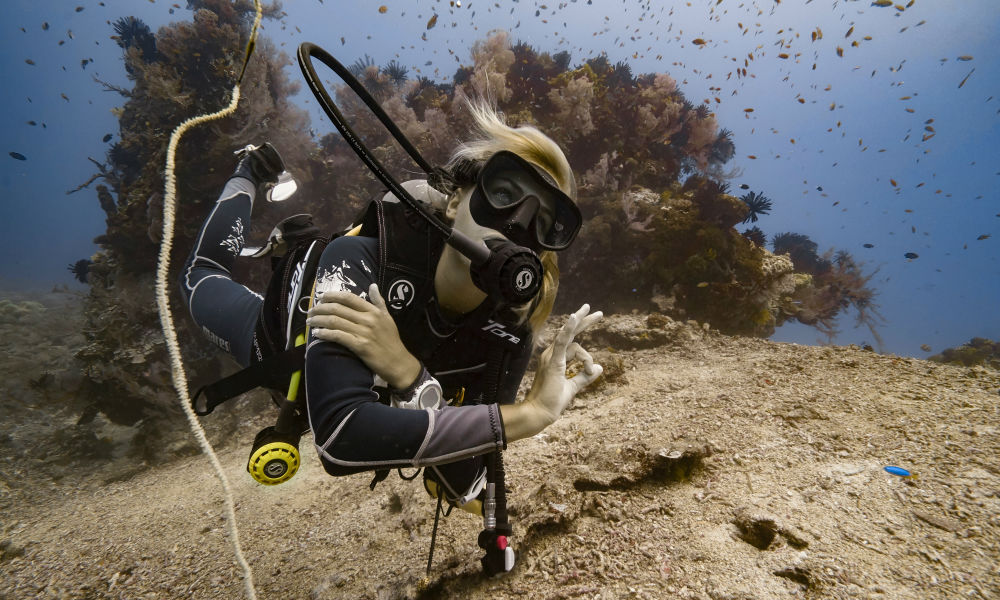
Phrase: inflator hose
(477, 252)
(163, 304)
(513, 276)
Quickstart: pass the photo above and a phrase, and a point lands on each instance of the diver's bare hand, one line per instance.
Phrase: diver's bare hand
(552, 391)
(368, 330)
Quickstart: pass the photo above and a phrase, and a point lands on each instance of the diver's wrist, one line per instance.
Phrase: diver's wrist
(408, 373)
(524, 419)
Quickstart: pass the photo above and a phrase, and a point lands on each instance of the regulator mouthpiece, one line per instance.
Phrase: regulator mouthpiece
(512, 274)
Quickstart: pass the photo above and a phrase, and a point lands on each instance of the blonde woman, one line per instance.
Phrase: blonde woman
(428, 331)
(409, 363)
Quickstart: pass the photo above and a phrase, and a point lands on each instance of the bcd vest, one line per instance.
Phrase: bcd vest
(469, 358)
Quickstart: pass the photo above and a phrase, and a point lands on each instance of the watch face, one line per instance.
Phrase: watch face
(429, 395)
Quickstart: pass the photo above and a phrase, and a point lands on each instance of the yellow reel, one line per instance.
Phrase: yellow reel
(274, 461)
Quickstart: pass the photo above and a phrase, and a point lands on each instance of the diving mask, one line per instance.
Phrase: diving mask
(523, 202)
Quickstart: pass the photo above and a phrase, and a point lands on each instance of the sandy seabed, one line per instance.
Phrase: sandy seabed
(706, 467)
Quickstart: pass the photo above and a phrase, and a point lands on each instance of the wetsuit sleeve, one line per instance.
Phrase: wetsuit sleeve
(354, 432)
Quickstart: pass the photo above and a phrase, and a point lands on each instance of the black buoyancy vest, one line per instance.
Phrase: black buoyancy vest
(469, 358)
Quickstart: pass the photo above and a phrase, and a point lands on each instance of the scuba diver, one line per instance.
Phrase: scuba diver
(409, 361)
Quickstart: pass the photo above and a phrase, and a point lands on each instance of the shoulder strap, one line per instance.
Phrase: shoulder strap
(406, 243)
(272, 372)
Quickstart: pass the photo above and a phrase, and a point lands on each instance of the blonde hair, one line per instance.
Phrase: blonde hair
(494, 135)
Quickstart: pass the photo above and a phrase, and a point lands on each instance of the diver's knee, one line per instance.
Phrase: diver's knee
(182, 281)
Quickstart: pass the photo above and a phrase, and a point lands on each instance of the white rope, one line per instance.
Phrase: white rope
(166, 321)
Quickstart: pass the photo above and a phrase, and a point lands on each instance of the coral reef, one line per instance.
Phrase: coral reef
(837, 282)
(660, 221)
(977, 351)
(79, 269)
(758, 205)
(184, 69)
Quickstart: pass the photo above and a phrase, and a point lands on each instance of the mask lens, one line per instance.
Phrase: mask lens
(501, 196)
(507, 180)
(565, 223)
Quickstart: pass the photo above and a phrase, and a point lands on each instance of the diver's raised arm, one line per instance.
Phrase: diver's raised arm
(551, 391)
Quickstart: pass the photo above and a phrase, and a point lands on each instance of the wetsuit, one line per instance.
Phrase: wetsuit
(476, 356)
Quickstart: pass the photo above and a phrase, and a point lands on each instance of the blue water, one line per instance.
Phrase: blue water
(943, 298)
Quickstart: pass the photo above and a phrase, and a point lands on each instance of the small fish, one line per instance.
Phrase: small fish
(985, 236)
(965, 57)
(18, 156)
(893, 182)
(882, 3)
(64, 96)
(32, 123)
(840, 51)
(106, 138)
(748, 110)
(898, 471)
(911, 255)
(819, 188)
(868, 245)
(782, 55)
(79, 9)
(925, 347)
(382, 9)
(744, 186)
(698, 42)
(45, 26)
(849, 32)
(29, 61)
(966, 78)
(433, 21)
(752, 156)
(703, 284)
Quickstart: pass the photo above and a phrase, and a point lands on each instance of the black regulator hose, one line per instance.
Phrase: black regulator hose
(477, 252)
(507, 272)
